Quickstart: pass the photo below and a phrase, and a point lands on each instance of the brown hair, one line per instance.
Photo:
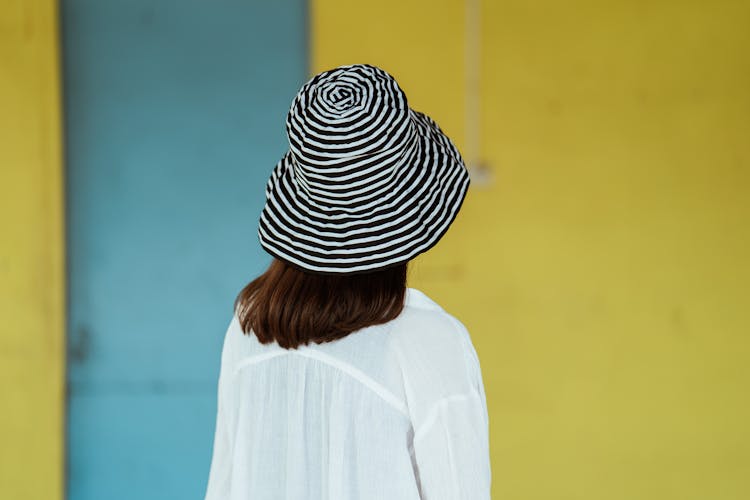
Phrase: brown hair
(293, 307)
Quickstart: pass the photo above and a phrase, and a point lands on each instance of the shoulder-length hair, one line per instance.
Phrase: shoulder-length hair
(294, 307)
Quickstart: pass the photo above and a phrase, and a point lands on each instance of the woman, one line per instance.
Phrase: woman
(337, 380)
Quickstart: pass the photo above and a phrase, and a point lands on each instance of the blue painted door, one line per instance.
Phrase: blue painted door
(174, 119)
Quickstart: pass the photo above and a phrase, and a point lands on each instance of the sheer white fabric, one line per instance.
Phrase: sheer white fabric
(394, 411)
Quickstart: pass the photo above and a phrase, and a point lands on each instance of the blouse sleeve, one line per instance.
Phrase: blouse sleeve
(451, 451)
(220, 473)
(450, 445)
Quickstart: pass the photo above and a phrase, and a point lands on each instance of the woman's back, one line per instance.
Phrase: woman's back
(390, 404)
(392, 411)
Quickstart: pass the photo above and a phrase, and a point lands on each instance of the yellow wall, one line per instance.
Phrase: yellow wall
(31, 254)
(604, 275)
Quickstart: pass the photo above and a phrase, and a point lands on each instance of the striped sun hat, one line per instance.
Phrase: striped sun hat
(367, 183)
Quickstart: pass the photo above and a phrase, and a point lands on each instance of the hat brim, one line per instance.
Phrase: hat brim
(422, 201)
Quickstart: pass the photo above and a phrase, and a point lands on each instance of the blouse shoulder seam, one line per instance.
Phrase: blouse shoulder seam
(353, 372)
(360, 376)
(433, 413)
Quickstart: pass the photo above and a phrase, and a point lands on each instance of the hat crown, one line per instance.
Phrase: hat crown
(346, 126)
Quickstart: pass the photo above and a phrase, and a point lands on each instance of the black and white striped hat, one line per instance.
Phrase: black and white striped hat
(368, 183)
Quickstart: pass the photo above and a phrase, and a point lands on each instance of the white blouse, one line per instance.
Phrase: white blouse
(393, 411)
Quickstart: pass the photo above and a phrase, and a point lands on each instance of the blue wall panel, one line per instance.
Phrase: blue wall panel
(174, 119)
